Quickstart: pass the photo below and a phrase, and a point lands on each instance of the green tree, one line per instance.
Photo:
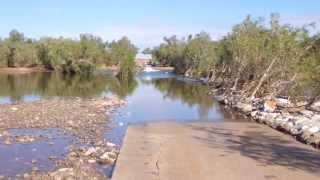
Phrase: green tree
(124, 52)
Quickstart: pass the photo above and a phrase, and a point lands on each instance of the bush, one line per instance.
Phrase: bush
(78, 67)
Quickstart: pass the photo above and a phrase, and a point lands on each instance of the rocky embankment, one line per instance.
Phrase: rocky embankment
(280, 114)
(86, 121)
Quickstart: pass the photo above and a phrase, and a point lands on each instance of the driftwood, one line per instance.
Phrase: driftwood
(263, 78)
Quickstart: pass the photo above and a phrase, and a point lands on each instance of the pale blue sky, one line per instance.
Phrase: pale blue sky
(144, 21)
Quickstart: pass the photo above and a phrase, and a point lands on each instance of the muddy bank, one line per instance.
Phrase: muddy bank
(23, 70)
(165, 68)
(279, 113)
(57, 138)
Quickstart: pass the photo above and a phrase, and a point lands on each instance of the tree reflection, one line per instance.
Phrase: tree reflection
(189, 93)
(123, 87)
(16, 87)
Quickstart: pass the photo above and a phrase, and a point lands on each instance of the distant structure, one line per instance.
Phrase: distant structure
(143, 60)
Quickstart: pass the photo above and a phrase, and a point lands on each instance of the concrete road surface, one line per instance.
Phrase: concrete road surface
(214, 151)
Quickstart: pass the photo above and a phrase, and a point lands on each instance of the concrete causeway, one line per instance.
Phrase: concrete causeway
(213, 151)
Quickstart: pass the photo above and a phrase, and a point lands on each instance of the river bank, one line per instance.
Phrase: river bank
(27, 70)
(21, 70)
(278, 113)
(57, 138)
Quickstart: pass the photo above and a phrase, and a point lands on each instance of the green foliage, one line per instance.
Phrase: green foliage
(309, 79)
(16, 36)
(43, 56)
(171, 53)
(253, 59)
(200, 54)
(67, 55)
(124, 51)
(78, 67)
(147, 51)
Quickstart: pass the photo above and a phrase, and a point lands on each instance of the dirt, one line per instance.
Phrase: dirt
(23, 70)
(165, 68)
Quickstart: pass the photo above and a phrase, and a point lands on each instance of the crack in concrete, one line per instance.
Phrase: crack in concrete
(157, 161)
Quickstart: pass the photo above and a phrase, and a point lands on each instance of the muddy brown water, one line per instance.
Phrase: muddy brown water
(151, 97)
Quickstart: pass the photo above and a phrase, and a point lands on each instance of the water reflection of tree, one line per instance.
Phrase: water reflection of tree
(123, 87)
(188, 93)
(55, 84)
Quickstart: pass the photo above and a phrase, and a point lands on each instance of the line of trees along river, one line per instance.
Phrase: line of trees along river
(254, 59)
(67, 55)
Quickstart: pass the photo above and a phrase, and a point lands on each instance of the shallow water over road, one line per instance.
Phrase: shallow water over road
(161, 96)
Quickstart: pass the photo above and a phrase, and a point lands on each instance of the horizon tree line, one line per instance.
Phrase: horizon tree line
(67, 55)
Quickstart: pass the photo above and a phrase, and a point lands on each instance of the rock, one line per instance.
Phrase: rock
(220, 99)
(254, 114)
(111, 144)
(204, 80)
(121, 124)
(91, 115)
(25, 175)
(65, 170)
(316, 117)
(7, 142)
(52, 157)
(91, 161)
(269, 106)
(35, 169)
(14, 109)
(104, 156)
(301, 103)
(315, 106)
(108, 157)
(307, 113)
(269, 116)
(73, 154)
(246, 108)
(282, 102)
(90, 151)
(314, 130)
(34, 161)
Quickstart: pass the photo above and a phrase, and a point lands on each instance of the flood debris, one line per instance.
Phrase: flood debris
(85, 119)
(80, 163)
(9, 138)
(279, 113)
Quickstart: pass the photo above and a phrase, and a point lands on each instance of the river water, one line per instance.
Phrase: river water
(150, 96)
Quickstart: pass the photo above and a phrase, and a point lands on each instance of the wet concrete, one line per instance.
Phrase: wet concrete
(213, 151)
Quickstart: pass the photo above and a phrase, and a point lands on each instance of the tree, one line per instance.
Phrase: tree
(200, 54)
(16, 36)
(10, 56)
(124, 52)
(43, 56)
